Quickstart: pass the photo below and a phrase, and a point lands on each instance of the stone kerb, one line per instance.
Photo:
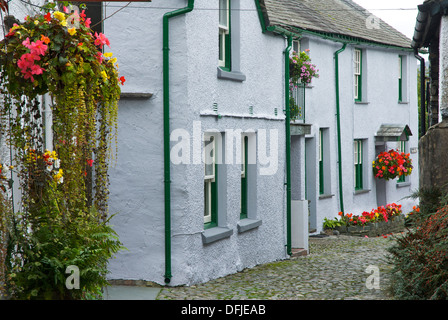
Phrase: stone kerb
(374, 229)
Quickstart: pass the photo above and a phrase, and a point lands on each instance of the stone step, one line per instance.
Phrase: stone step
(298, 252)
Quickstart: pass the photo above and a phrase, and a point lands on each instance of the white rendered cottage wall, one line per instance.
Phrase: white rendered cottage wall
(443, 57)
(359, 121)
(137, 181)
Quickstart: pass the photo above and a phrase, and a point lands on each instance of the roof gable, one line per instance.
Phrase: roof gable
(335, 17)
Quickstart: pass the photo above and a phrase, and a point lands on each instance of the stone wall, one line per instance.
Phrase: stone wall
(432, 158)
(374, 229)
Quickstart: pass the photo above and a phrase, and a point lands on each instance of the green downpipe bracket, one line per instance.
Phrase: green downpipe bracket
(166, 131)
(338, 118)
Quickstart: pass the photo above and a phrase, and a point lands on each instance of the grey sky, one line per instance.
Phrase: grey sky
(402, 20)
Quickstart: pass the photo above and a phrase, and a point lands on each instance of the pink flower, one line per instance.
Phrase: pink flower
(87, 22)
(26, 43)
(28, 75)
(99, 57)
(101, 40)
(35, 69)
(26, 61)
(38, 48)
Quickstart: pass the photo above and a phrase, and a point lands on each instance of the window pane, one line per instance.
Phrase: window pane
(223, 13)
(221, 46)
(357, 62)
(207, 202)
(296, 46)
(209, 158)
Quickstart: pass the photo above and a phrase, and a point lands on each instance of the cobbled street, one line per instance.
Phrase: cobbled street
(335, 269)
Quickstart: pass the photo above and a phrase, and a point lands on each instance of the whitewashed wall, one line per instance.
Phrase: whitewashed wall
(137, 188)
(360, 121)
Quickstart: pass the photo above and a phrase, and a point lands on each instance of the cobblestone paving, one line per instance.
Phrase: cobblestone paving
(334, 269)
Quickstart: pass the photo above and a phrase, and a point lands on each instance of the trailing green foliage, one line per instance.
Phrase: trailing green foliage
(62, 219)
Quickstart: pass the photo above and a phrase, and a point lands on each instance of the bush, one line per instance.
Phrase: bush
(420, 260)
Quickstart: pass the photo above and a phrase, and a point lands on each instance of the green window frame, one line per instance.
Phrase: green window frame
(358, 74)
(401, 148)
(210, 183)
(225, 47)
(244, 176)
(400, 79)
(358, 164)
(321, 163)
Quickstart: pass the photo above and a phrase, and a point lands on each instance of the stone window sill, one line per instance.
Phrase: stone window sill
(325, 196)
(231, 75)
(362, 191)
(362, 102)
(248, 224)
(215, 234)
(403, 184)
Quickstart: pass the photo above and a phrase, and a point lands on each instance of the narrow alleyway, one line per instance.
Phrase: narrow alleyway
(337, 268)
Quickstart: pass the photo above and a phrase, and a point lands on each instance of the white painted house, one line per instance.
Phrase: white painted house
(226, 81)
(207, 182)
(226, 65)
(364, 102)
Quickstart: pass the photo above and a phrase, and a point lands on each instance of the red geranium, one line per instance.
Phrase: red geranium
(391, 164)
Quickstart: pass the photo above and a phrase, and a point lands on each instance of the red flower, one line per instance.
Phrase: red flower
(48, 17)
(122, 80)
(90, 162)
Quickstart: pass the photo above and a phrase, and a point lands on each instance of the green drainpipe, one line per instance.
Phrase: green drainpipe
(288, 149)
(338, 118)
(166, 132)
(289, 35)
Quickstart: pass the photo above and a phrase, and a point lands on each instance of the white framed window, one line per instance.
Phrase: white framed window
(224, 33)
(321, 163)
(358, 74)
(209, 179)
(243, 156)
(358, 164)
(296, 46)
(402, 148)
(244, 177)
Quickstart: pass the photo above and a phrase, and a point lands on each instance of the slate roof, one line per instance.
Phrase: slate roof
(336, 17)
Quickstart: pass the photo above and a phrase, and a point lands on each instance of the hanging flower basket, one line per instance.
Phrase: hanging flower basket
(62, 219)
(301, 70)
(392, 164)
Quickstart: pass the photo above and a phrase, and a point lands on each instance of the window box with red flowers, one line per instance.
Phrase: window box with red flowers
(380, 221)
(392, 164)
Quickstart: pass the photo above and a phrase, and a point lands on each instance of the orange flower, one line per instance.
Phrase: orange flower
(45, 39)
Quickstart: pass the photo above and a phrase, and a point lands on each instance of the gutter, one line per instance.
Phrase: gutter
(166, 132)
(338, 119)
